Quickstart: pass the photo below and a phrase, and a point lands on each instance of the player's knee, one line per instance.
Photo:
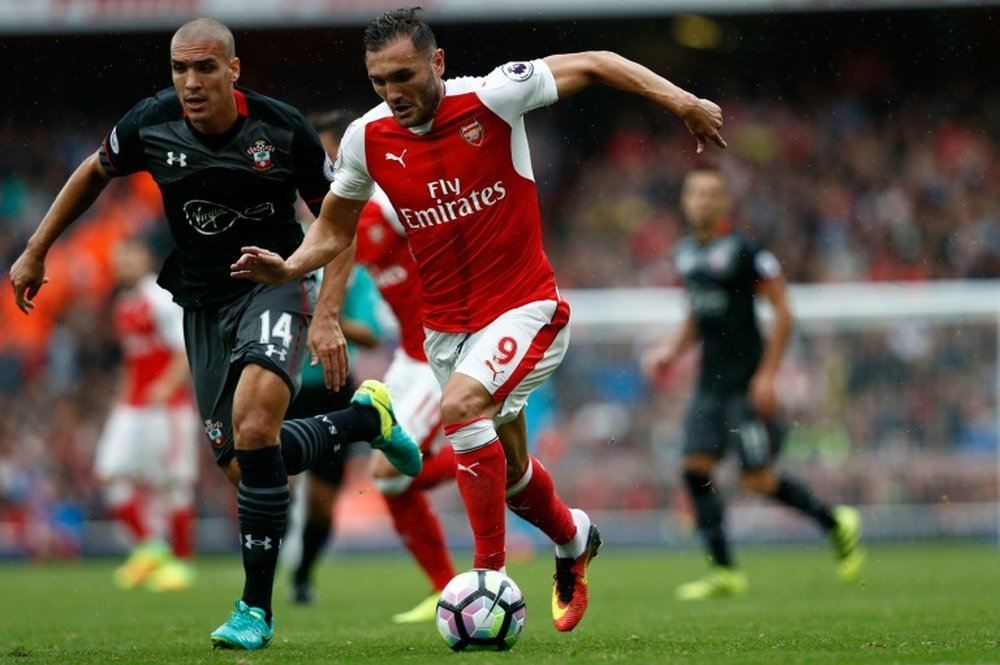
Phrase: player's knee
(255, 430)
(460, 407)
(761, 481)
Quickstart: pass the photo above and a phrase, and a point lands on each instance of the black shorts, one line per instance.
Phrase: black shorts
(313, 400)
(716, 423)
(266, 327)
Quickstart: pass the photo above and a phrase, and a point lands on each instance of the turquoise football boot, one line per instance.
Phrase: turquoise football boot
(399, 447)
(246, 629)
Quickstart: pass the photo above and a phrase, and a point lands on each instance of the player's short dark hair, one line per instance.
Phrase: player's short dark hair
(335, 121)
(392, 25)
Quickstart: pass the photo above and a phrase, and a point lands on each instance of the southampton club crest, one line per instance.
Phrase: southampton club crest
(473, 133)
(260, 152)
(214, 432)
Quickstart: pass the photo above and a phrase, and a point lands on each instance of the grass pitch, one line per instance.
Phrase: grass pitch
(914, 603)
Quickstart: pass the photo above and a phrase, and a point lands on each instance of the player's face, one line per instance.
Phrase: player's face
(204, 79)
(705, 202)
(408, 80)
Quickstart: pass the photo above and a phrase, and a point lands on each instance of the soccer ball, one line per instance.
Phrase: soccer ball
(481, 610)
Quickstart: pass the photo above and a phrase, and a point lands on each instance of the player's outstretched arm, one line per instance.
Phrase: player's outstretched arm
(27, 275)
(575, 71)
(328, 236)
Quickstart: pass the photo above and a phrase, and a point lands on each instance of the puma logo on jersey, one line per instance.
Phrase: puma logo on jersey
(397, 158)
(468, 469)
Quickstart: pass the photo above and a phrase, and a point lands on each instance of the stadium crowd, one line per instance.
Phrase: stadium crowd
(847, 187)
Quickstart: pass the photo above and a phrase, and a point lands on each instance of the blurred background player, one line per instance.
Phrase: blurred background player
(735, 405)
(383, 251)
(147, 455)
(312, 512)
(319, 487)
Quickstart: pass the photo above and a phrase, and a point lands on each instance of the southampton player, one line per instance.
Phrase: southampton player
(147, 456)
(735, 405)
(453, 158)
(228, 163)
(416, 398)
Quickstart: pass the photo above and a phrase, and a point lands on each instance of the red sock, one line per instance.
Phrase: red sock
(534, 498)
(182, 532)
(481, 474)
(420, 530)
(437, 468)
(132, 514)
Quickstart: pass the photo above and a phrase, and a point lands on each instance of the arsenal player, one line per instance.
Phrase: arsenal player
(453, 158)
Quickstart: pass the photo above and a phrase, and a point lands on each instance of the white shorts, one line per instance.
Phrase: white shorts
(511, 356)
(157, 445)
(416, 398)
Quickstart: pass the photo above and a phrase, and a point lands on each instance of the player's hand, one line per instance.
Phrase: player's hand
(27, 276)
(329, 347)
(655, 362)
(704, 120)
(260, 265)
(762, 396)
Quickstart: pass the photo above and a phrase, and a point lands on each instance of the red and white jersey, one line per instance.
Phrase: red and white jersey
(150, 329)
(383, 251)
(464, 192)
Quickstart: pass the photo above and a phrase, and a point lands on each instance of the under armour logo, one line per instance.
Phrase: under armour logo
(272, 350)
(399, 159)
(468, 469)
(180, 159)
(249, 542)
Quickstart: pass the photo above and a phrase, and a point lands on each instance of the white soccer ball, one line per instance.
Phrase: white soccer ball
(481, 610)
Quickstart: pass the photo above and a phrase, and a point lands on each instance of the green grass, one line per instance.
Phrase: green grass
(915, 604)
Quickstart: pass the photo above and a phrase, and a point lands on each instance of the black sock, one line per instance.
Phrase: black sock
(262, 504)
(306, 441)
(795, 494)
(314, 537)
(709, 514)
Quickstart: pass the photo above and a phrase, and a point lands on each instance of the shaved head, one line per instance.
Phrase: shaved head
(206, 30)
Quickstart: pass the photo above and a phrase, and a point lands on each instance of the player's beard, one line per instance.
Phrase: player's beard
(428, 106)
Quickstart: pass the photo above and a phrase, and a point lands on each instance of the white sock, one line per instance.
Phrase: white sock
(575, 547)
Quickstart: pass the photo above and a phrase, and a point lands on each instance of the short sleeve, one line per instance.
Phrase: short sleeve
(121, 152)
(766, 264)
(351, 179)
(515, 88)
